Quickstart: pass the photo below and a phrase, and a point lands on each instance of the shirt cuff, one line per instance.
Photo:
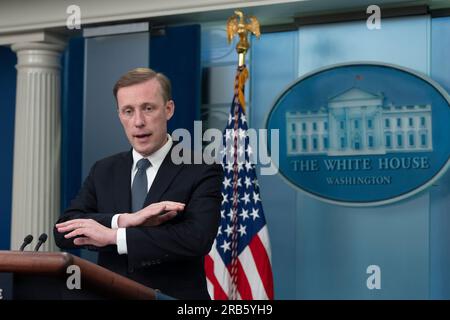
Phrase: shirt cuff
(122, 241)
(115, 221)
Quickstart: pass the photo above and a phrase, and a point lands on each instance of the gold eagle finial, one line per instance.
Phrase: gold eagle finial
(242, 25)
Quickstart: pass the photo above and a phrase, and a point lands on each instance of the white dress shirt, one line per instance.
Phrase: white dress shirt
(156, 160)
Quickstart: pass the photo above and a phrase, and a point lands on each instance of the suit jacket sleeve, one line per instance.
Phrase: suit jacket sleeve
(84, 206)
(191, 237)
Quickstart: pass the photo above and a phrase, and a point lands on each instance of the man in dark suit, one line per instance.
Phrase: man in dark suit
(150, 219)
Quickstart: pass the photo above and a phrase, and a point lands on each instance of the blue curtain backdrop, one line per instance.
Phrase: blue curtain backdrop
(71, 119)
(176, 53)
(72, 72)
(8, 61)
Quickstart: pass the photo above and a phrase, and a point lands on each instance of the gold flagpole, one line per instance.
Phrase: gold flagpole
(237, 24)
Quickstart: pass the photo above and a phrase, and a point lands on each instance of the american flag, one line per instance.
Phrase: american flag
(239, 266)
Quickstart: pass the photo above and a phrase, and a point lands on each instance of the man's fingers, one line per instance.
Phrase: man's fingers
(87, 232)
(161, 209)
(154, 211)
(67, 228)
(167, 216)
(156, 221)
(74, 233)
(173, 202)
(74, 224)
(70, 222)
(82, 241)
(173, 206)
(63, 224)
(168, 203)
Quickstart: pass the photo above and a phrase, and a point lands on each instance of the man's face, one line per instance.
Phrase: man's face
(144, 115)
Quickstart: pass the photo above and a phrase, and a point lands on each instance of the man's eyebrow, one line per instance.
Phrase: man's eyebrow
(145, 104)
(126, 106)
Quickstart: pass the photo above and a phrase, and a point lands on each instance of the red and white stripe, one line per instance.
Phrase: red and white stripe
(254, 280)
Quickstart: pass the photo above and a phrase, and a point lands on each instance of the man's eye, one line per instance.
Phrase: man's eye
(148, 109)
(127, 112)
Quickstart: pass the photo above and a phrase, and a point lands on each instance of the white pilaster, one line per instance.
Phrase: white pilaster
(37, 141)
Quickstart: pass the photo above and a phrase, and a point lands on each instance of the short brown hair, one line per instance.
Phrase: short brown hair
(140, 75)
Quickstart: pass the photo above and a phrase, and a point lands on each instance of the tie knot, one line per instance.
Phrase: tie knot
(143, 164)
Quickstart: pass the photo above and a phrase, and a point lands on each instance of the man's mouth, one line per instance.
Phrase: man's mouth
(142, 136)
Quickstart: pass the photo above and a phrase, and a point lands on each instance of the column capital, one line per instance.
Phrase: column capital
(38, 54)
(47, 46)
(32, 36)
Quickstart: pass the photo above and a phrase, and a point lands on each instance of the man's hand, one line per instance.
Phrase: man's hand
(152, 215)
(91, 232)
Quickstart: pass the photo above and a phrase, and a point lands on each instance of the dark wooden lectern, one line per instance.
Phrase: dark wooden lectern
(43, 276)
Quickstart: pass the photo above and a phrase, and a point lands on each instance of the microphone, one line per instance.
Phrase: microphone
(26, 241)
(42, 239)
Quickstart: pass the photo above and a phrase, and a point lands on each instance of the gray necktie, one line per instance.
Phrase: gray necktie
(139, 187)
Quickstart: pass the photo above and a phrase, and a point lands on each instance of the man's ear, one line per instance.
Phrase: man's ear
(170, 109)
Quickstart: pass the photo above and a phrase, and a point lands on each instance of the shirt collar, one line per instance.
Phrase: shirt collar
(157, 157)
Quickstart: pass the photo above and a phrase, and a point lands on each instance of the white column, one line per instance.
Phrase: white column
(365, 138)
(347, 130)
(37, 141)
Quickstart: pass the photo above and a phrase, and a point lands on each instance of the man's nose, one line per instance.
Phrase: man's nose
(139, 119)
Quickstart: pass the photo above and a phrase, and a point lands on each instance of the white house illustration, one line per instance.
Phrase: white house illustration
(357, 122)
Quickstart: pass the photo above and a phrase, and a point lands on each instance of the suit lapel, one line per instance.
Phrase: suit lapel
(122, 183)
(166, 173)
